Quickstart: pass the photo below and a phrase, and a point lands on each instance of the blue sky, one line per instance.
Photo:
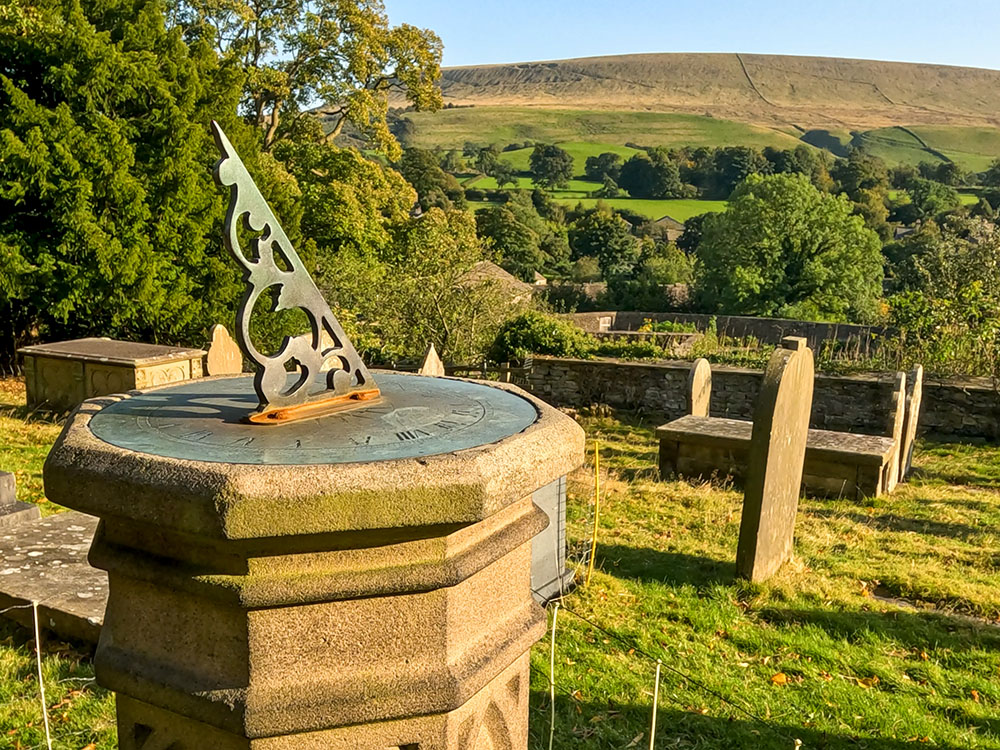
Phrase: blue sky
(487, 31)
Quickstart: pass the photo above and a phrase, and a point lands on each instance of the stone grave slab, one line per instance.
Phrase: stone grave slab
(699, 388)
(13, 511)
(224, 356)
(61, 375)
(897, 417)
(913, 401)
(777, 455)
(46, 561)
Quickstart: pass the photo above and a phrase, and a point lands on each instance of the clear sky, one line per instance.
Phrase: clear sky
(487, 31)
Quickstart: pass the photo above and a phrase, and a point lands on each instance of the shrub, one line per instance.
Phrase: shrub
(536, 333)
(475, 194)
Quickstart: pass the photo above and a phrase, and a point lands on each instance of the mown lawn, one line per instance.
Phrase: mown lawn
(884, 632)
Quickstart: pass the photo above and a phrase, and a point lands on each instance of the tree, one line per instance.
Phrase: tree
(661, 265)
(609, 189)
(524, 241)
(422, 290)
(734, 164)
(860, 171)
(109, 218)
(607, 237)
(343, 53)
(991, 177)
(434, 186)
(929, 199)
(489, 163)
(651, 176)
(598, 167)
(783, 248)
(551, 166)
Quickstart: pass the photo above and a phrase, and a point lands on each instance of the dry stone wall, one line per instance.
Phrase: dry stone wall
(960, 408)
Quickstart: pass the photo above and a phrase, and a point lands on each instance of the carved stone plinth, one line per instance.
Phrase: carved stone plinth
(381, 605)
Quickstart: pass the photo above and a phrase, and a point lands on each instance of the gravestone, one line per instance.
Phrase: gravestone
(913, 401)
(224, 356)
(699, 388)
(777, 454)
(12, 510)
(549, 577)
(61, 375)
(314, 559)
(432, 364)
(897, 415)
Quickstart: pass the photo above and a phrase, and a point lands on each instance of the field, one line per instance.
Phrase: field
(451, 128)
(881, 633)
(680, 209)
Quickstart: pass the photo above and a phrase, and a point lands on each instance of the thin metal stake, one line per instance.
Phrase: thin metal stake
(41, 682)
(552, 677)
(656, 699)
(597, 509)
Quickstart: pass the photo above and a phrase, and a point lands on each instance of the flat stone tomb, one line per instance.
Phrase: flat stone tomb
(45, 560)
(61, 375)
(836, 463)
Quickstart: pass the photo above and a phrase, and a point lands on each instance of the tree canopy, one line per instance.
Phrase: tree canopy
(551, 166)
(784, 249)
(342, 54)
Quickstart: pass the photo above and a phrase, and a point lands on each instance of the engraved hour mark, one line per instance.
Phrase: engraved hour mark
(366, 441)
(447, 424)
(243, 441)
(196, 435)
(465, 411)
(412, 434)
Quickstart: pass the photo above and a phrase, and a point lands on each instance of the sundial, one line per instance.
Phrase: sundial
(313, 401)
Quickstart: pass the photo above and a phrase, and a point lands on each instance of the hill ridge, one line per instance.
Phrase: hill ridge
(775, 91)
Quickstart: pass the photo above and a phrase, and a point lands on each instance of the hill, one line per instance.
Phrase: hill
(804, 93)
(903, 112)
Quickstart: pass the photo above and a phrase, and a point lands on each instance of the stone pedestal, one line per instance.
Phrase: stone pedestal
(362, 606)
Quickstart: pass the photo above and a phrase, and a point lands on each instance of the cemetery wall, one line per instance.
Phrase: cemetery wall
(766, 330)
(961, 408)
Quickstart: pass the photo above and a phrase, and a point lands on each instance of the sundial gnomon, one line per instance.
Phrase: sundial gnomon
(315, 415)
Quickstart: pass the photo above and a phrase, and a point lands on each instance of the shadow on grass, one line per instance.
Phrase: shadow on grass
(650, 565)
(914, 630)
(892, 522)
(583, 725)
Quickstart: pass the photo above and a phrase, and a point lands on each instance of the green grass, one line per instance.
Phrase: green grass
(580, 151)
(25, 439)
(880, 625)
(450, 128)
(680, 209)
(859, 671)
(971, 148)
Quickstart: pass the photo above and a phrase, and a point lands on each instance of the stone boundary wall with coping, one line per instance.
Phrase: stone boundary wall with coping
(966, 408)
(765, 330)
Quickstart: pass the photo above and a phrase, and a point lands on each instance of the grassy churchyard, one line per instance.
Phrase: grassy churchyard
(882, 633)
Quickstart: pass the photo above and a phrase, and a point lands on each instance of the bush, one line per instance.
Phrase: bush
(537, 333)
(475, 194)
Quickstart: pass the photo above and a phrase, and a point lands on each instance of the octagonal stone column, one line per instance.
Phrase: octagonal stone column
(361, 606)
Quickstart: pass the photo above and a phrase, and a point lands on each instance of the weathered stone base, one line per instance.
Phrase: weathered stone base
(18, 513)
(495, 718)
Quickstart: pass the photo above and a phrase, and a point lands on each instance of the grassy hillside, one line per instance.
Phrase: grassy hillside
(903, 112)
(776, 90)
(451, 128)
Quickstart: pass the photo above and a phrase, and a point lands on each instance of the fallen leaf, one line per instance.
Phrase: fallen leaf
(636, 740)
(975, 695)
(868, 682)
(779, 679)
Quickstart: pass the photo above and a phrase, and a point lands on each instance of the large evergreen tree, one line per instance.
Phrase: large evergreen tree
(109, 220)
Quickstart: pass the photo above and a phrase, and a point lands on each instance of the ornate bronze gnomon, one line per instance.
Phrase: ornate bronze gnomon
(312, 373)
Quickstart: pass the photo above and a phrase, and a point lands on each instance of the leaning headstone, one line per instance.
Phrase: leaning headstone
(897, 414)
(913, 400)
(699, 388)
(224, 356)
(777, 454)
(432, 364)
(12, 511)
